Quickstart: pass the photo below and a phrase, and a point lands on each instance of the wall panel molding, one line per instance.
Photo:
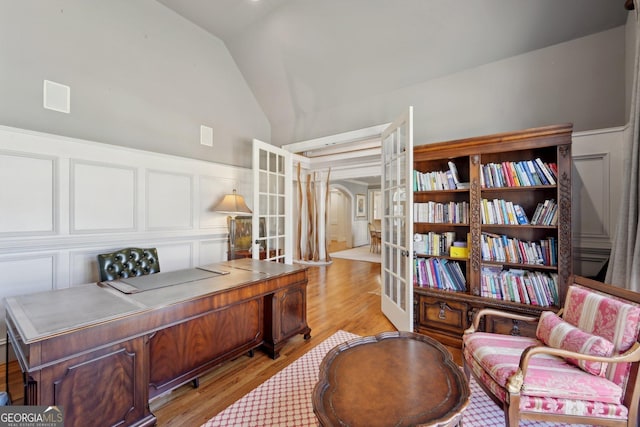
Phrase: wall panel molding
(28, 194)
(169, 200)
(597, 185)
(102, 197)
(85, 218)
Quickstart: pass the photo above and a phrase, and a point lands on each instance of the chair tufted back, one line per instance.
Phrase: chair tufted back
(129, 262)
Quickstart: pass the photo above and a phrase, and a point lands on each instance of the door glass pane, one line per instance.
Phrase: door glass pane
(273, 162)
(273, 226)
(273, 183)
(263, 182)
(281, 165)
(264, 206)
(263, 160)
(281, 205)
(387, 283)
(402, 177)
(281, 184)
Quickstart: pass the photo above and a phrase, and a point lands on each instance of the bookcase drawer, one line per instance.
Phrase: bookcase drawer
(501, 325)
(444, 315)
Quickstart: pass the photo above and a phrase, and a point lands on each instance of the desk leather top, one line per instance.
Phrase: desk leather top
(42, 315)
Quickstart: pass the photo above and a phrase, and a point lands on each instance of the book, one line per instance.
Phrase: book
(454, 172)
(521, 216)
(546, 171)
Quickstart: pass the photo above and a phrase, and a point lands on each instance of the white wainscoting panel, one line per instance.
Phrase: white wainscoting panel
(169, 201)
(175, 256)
(83, 266)
(27, 193)
(23, 275)
(596, 194)
(212, 251)
(102, 197)
(86, 198)
(591, 195)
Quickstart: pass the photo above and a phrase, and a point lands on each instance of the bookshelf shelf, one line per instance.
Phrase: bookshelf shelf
(481, 164)
(521, 265)
(520, 188)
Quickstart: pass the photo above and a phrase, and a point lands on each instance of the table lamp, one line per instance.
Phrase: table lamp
(232, 205)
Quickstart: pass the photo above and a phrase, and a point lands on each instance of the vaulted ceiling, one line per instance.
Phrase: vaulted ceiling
(303, 56)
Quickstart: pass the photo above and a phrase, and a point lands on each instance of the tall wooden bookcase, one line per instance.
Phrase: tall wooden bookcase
(446, 313)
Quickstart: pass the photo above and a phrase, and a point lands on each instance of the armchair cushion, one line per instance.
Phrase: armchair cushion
(548, 404)
(556, 333)
(608, 317)
(495, 357)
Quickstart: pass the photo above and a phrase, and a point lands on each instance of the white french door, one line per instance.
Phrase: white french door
(272, 231)
(397, 222)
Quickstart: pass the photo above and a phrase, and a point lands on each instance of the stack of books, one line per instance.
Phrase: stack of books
(518, 174)
(526, 287)
(432, 243)
(498, 211)
(439, 273)
(438, 180)
(546, 213)
(447, 213)
(500, 248)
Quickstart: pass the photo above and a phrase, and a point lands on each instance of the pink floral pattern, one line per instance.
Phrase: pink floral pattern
(613, 319)
(556, 333)
(551, 385)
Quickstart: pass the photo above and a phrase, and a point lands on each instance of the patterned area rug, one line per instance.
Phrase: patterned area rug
(360, 253)
(285, 398)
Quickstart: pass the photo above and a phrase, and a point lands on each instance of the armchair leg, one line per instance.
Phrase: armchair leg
(512, 410)
(195, 382)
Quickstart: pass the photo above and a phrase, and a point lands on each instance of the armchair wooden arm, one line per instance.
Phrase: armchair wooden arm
(491, 312)
(515, 381)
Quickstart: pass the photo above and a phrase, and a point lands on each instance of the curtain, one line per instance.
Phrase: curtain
(624, 263)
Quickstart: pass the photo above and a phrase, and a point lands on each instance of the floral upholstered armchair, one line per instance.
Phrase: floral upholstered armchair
(582, 367)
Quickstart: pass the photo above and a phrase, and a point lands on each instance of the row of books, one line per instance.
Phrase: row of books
(448, 213)
(526, 287)
(498, 211)
(518, 174)
(546, 213)
(432, 243)
(436, 180)
(439, 273)
(500, 248)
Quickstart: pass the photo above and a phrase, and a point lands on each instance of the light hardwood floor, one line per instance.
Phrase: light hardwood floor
(343, 295)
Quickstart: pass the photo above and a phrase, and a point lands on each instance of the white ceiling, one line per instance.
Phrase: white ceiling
(304, 56)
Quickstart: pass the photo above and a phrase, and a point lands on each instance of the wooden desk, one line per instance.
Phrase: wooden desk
(102, 354)
(392, 379)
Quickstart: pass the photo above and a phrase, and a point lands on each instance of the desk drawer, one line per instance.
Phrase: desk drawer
(441, 314)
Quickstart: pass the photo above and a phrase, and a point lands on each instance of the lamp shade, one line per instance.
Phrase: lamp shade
(232, 204)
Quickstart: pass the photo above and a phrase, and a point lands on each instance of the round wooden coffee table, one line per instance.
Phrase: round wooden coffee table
(391, 379)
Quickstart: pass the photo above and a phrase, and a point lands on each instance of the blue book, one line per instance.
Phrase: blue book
(520, 214)
(543, 177)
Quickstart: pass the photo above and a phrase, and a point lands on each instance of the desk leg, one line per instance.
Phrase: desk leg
(285, 316)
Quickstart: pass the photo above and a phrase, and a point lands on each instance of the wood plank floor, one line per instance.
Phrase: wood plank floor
(344, 295)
